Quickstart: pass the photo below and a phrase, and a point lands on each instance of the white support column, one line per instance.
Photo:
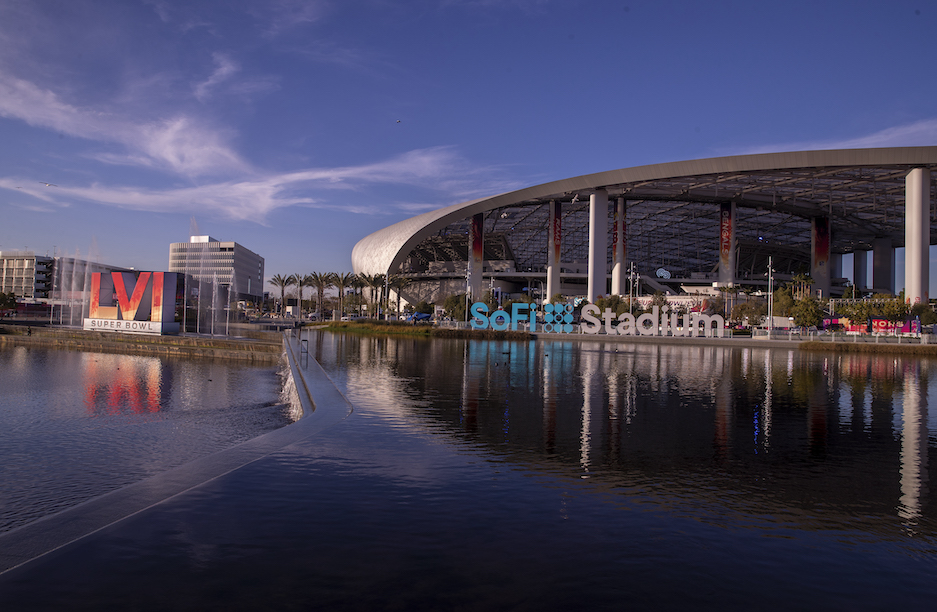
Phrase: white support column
(476, 255)
(598, 244)
(727, 244)
(883, 266)
(820, 256)
(619, 244)
(554, 244)
(917, 236)
(860, 271)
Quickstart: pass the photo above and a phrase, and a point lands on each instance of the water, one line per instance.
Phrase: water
(75, 425)
(553, 476)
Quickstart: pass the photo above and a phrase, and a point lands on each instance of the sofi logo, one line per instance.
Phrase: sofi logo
(557, 318)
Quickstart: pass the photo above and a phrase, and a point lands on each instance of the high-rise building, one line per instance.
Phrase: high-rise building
(209, 260)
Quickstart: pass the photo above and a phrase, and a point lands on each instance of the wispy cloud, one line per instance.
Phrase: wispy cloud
(918, 134)
(438, 170)
(225, 68)
(181, 144)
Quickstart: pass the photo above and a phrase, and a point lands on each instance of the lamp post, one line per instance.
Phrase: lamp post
(632, 288)
(770, 297)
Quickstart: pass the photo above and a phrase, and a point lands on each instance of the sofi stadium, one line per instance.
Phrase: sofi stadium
(678, 228)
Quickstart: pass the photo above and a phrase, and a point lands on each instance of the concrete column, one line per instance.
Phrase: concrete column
(820, 256)
(860, 270)
(883, 266)
(836, 266)
(727, 244)
(554, 244)
(598, 244)
(476, 255)
(619, 244)
(917, 236)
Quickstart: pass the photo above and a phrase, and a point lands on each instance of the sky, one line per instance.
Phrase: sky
(296, 128)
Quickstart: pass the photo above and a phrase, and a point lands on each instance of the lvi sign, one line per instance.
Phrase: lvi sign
(138, 303)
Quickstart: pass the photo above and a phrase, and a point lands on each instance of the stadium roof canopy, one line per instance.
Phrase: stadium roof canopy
(673, 209)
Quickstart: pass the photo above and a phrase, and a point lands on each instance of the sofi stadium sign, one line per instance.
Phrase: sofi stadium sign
(558, 318)
(139, 303)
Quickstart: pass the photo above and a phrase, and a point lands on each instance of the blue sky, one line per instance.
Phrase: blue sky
(297, 128)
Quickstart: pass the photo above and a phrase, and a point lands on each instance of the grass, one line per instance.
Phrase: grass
(920, 350)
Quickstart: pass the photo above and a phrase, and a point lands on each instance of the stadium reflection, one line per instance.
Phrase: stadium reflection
(817, 440)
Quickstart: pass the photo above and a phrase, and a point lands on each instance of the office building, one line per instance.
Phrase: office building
(207, 259)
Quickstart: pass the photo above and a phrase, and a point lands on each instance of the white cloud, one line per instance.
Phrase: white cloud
(224, 70)
(181, 144)
(436, 170)
(918, 134)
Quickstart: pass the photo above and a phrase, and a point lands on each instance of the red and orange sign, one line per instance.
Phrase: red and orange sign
(139, 298)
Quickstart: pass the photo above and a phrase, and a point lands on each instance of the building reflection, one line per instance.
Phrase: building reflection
(777, 430)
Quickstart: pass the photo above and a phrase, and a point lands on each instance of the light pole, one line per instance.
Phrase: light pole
(770, 297)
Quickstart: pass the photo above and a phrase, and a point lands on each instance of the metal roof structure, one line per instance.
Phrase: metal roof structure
(673, 208)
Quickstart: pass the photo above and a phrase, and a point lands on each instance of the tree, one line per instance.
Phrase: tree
(342, 280)
(807, 312)
(802, 283)
(455, 306)
(783, 302)
(321, 281)
(424, 308)
(616, 303)
(282, 282)
(375, 282)
(301, 281)
(925, 313)
(359, 284)
(398, 283)
(755, 312)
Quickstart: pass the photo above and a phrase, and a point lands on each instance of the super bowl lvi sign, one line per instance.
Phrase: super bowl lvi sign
(139, 303)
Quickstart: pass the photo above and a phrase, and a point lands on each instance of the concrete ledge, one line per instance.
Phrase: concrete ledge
(261, 351)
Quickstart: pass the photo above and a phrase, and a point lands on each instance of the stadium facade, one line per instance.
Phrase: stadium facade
(679, 227)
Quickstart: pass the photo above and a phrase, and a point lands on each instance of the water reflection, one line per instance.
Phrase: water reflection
(820, 441)
(74, 425)
(109, 390)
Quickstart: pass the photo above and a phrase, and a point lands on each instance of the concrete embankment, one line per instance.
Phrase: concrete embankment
(262, 348)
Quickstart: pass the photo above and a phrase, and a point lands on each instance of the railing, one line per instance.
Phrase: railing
(777, 334)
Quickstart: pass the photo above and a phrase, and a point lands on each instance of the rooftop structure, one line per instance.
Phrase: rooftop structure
(682, 224)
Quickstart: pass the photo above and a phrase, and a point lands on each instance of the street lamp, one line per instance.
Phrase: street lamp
(770, 297)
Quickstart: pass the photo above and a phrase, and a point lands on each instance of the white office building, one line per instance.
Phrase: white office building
(207, 259)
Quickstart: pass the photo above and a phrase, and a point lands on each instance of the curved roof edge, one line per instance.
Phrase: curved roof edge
(385, 249)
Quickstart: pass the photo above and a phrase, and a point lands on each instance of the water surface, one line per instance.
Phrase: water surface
(77, 424)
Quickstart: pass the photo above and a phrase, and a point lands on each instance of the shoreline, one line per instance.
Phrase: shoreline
(266, 349)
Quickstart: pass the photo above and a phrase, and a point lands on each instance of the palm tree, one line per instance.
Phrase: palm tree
(375, 282)
(342, 280)
(300, 281)
(321, 281)
(359, 284)
(282, 282)
(398, 283)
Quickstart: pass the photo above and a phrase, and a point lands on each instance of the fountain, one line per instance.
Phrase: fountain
(71, 282)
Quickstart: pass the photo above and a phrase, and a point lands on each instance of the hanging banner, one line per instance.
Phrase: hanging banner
(725, 234)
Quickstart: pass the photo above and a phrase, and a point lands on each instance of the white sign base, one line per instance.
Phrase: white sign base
(131, 327)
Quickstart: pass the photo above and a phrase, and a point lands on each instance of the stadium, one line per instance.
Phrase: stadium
(679, 228)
